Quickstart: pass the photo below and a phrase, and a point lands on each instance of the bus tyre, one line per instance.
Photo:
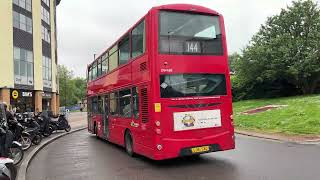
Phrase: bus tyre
(129, 144)
(96, 130)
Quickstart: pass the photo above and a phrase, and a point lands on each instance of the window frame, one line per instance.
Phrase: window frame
(130, 101)
(23, 62)
(105, 58)
(24, 4)
(116, 98)
(88, 74)
(94, 101)
(20, 20)
(112, 55)
(144, 39)
(47, 68)
(135, 115)
(99, 67)
(184, 53)
(100, 105)
(126, 39)
(46, 2)
(45, 15)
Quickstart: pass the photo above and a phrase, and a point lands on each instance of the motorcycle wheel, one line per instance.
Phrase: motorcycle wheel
(68, 129)
(37, 139)
(16, 154)
(25, 142)
(48, 133)
(51, 129)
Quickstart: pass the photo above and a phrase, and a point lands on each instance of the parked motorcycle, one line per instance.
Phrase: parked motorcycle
(20, 134)
(31, 127)
(8, 170)
(35, 135)
(15, 151)
(44, 122)
(61, 124)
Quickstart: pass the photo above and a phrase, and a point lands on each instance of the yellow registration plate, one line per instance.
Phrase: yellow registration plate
(200, 149)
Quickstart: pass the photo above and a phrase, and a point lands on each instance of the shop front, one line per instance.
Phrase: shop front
(22, 100)
(46, 101)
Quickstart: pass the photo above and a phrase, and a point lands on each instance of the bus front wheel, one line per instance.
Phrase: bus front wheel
(129, 144)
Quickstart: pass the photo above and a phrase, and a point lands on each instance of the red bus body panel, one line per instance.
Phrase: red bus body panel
(145, 137)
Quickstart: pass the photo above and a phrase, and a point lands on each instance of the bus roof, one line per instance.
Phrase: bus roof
(179, 7)
(186, 7)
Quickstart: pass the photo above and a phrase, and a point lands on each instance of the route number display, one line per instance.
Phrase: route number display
(192, 47)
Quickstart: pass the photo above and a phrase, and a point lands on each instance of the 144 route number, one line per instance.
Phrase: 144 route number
(192, 47)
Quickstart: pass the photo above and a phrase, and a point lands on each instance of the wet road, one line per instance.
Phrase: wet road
(82, 156)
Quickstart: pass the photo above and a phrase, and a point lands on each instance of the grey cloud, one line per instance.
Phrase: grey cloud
(88, 27)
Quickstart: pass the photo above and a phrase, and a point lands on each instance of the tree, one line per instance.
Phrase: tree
(285, 51)
(232, 60)
(72, 90)
(81, 86)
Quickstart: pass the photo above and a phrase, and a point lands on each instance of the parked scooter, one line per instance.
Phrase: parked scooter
(8, 170)
(61, 124)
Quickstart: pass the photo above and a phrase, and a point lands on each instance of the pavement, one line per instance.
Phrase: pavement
(78, 119)
(300, 139)
(82, 156)
(77, 122)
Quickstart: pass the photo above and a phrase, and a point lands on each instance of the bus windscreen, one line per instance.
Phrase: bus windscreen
(186, 33)
(192, 85)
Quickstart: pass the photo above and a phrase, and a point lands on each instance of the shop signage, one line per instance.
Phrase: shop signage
(15, 94)
(46, 95)
(26, 94)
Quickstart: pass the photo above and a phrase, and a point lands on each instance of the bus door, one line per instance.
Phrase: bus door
(89, 114)
(106, 117)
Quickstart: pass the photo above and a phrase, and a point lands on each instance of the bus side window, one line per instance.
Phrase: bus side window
(100, 105)
(105, 63)
(95, 105)
(94, 71)
(113, 58)
(88, 74)
(114, 106)
(125, 103)
(135, 102)
(99, 68)
(124, 50)
(138, 37)
(89, 105)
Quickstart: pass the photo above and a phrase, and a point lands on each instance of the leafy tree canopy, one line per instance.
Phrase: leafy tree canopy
(285, 52)
(72, 90)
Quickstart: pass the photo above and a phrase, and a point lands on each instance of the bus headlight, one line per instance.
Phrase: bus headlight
(159, 147)
(158, 123)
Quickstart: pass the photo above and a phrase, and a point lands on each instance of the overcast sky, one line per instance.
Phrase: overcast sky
(88, 27)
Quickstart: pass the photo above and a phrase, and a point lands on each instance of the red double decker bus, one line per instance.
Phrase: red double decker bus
(163, 89)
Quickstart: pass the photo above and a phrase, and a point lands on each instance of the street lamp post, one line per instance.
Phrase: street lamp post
(65, 90)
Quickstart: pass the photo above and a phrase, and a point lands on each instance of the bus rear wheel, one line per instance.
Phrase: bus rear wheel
(95, 130)
(129, 144)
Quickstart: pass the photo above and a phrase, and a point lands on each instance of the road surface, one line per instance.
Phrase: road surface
(82, 156)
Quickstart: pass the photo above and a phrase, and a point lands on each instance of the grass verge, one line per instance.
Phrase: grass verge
(301, 116)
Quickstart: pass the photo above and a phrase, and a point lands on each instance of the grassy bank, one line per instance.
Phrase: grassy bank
(301, 116)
